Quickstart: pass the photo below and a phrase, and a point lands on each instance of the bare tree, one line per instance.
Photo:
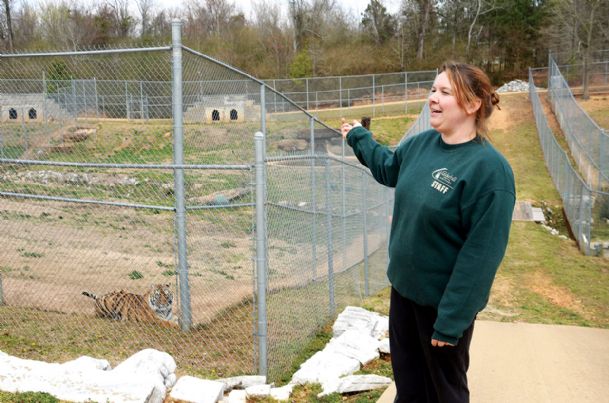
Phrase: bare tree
(25, 25)
(9, 23)
(426, 9)
(271, 32)
(584, 20)
(123, 22)
(419, 16)
(145, 8)
(481, 7)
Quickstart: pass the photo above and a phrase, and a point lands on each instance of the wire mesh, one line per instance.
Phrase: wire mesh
(588, 142)
(586, 209)
(375, 90)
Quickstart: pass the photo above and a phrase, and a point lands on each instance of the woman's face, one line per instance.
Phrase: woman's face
(446, 116)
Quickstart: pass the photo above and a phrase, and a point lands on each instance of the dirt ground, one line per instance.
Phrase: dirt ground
(54, 251)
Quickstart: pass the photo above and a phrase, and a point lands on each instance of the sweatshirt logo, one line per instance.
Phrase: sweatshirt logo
(443, 180)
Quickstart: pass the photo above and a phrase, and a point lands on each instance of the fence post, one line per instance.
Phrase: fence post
(365, 232)
(24, 130)
(313, 200)
(307, 91)
(127, 84)
(406, 93)
(1, 291)
(340, 91)
(263, 112)
(141, 100)
(44, 96)
(178, 156)
(96, 97)
(73, 98)
(330, 242)
(601, 162)
(373, 96)
(261, 252)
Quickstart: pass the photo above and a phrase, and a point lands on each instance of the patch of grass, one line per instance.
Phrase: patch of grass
(223, 274)
(135, 275)
(164, 265)
(228, 244)
(32, 254)
(27, 397)
(580, 284)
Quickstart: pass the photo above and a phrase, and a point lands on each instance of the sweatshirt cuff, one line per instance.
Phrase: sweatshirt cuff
(355, 134)
(445, 338)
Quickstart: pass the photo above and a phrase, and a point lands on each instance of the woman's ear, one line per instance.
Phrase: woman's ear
(473, 107)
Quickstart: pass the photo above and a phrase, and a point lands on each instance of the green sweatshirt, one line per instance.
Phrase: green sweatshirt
(451, 221)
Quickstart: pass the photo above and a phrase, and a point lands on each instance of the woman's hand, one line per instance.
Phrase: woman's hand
(440, 343)
(346, 127)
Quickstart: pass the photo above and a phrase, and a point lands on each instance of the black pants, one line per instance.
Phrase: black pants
(422, 373)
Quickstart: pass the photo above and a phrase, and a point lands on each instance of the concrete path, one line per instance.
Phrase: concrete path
(531, 363)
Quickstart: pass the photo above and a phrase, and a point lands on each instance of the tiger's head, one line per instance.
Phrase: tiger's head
(160, 299)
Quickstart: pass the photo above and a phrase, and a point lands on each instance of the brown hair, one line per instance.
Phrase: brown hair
(470, 84)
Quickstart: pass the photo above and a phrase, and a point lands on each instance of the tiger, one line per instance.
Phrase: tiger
(152, 307)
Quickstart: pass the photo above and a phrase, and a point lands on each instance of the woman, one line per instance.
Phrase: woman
(454, 198)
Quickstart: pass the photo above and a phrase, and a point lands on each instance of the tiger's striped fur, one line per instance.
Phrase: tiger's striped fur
(152, 307)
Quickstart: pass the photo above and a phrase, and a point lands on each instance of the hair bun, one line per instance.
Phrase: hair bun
(495, 100)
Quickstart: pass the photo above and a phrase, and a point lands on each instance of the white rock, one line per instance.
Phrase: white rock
(242, 382)
(85, 363)
(554, 231)
(282, 393)
(381, 328)
(237, 396)
(76, 381)
(384, 346)
(355, 318)
(258, 391)
(538, 215)
(324, 365)
(353, 344)
(152, 363)
(329, 386)
(196, 390)
(359, 383)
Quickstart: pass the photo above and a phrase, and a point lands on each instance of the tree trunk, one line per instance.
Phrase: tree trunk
(423, 29)
(9, 24)
(471, 28)
(586, 94)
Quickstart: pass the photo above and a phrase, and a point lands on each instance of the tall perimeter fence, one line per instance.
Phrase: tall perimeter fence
(260, 220)
(374, 90)
(586, 207)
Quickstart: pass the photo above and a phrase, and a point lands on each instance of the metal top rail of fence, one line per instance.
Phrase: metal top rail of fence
(587, 210)
(261, 237)
(589, 143)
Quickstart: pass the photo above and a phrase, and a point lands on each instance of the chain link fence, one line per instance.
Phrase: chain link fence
(587, 209)
(374, 90)
(127, 168)
(588, 142)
